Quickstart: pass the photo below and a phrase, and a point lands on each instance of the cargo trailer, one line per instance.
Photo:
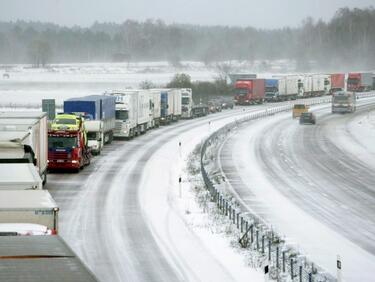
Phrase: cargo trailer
(29, 206)
(40, 258)
(12, 125)
(19, 176)
(359, 82)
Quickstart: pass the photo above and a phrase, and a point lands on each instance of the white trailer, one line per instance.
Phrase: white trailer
(38, 139)
(288, 88)
(132, 112)
(314, 85)
(187, 103)
(155, 107)
(19, 176)
(177, 107)
(26, 206)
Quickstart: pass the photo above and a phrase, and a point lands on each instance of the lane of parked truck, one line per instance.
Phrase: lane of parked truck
(31, 144)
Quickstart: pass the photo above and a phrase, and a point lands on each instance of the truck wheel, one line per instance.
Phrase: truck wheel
(44, 181)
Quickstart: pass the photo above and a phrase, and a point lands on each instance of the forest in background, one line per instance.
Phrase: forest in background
(346, 41)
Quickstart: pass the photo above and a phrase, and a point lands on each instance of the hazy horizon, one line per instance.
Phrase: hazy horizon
(266, 14)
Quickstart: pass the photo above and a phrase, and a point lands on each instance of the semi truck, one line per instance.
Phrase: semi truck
(40, 258)
(337, 82)
(186, 103)
(31, 129)
(99, 114)
(272, 90)
(29, 206)
(132, 112)
(166, 106)
(249, 91)
(67, 143)
(344, 102)
(359, 82)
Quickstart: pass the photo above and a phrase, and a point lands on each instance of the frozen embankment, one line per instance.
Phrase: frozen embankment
(312, 183)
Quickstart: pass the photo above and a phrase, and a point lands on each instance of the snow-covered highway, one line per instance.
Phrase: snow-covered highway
(314, 184)
(121, 213)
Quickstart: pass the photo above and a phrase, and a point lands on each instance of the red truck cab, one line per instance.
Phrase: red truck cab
(249, 91)
(67, 146)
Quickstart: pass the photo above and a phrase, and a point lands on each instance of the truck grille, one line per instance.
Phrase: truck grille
(118, 126)
(57, 155)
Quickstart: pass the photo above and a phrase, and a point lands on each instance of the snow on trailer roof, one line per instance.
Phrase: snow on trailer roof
(40, 258)
(22, 173)
(26, 199)
(19, 121)
(90, 98)
(22, 115)
(13, 135)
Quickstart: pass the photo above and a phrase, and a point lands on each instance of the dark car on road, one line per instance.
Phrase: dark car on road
(307, 118)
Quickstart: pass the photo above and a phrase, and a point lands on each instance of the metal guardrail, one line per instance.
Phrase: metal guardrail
(285, 262)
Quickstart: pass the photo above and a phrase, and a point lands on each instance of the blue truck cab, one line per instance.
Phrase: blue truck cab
(272, 90)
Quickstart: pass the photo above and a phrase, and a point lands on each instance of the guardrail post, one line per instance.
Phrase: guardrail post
(300, 273)
(310, 277)
(263, 244)
(277, 257)
(284, 261)
(291, 269)
(230, 212)
(234, 216)
(238, 221)
(241, 224)
(257, 237)
(226, 208)
(252, 233)
(269, 249)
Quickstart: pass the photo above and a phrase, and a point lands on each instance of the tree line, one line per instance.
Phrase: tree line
(346, 41)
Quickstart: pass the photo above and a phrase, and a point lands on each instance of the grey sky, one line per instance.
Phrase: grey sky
(259, 13)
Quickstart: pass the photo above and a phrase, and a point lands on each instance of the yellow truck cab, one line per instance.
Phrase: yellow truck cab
(298, 109)
(66, 122)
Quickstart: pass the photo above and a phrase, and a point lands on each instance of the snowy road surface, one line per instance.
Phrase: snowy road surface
(315, 184)
(122, 218)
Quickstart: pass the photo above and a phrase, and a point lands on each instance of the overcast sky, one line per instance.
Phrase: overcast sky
(260, 13)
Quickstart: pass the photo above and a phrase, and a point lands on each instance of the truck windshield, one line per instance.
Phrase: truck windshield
(61, 142)
(353, 80)
(65, 121)
(341, 98)
(271, 89)
(122, 115)
(91, 135)
(240, 91)
(185, 100)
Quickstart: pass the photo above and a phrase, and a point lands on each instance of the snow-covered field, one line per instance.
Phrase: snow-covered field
(28, 86)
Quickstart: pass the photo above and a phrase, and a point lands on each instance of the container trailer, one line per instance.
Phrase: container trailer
(99, 114)
(359, 82)
(20, 176)
(29, 206)
(337, 82)
(177, 100)
(40, 258)
(15, 124)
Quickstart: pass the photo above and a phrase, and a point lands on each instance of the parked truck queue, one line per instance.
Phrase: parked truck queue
(31, 145)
